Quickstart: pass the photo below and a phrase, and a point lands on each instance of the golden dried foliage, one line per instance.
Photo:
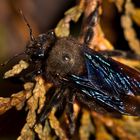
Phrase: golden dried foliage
(16, 69)
(122, 128)
(16, 100)
(73, 14)
(35, 102)
(131, 13)
(86, 127)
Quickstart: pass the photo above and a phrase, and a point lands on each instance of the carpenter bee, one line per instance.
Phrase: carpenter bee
(82, 74)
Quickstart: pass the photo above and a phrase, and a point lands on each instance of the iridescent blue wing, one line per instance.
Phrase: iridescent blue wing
(110, 83)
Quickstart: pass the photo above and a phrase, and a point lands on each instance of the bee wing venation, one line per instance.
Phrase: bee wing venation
(110, 83)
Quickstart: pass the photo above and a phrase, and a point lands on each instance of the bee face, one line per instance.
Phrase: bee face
(65, 58)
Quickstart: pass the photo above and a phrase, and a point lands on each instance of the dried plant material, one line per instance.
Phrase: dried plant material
(33, 101)
(136, 15)
(26, 133)
(130, 12)
(4, 105)
(121, 128)
(43, 133)
(127, 24)
(16, 100)
(34, 104)
(19, 100)
(28, 87)
(56, 125)
(43, 91)
(130, 33)
(90, 6)
(119, 4)
(100, 43)
(39, 130)
(129, 62)
(76, 109)
(86, 127)
(73, 14)
(101, 132)
(16, 69)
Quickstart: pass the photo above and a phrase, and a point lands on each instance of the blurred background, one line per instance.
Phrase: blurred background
(41, 14)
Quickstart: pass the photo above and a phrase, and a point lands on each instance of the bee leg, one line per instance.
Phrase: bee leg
(89, 24)
(31, 76)
(70, 113)
(55, 101)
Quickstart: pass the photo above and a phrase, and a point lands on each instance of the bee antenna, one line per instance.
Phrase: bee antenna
(27, 23)
(9, 60)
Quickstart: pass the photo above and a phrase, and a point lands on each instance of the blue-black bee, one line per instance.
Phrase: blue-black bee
(82, 74)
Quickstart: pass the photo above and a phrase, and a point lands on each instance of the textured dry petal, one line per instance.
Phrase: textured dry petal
(16, 69)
